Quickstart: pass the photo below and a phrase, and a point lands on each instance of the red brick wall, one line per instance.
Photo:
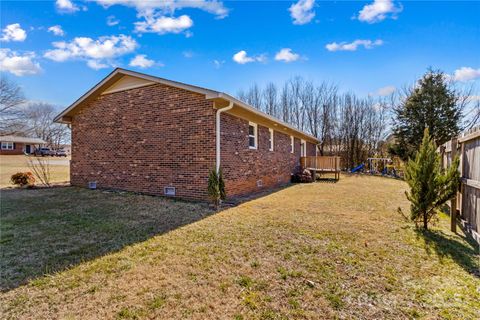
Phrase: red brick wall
(18, 149)
(244, 167)
(145, 139)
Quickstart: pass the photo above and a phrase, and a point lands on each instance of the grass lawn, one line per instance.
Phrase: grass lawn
(11, 164)
(309, 251)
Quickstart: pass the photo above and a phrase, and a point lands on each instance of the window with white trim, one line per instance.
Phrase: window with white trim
(292, 144)
(270, 139)
(303, 148)
(7, 146)
(252, 135)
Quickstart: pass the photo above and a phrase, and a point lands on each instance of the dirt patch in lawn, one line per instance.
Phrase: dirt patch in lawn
(309, 251)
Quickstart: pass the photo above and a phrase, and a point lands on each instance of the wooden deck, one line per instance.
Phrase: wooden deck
(322, 164)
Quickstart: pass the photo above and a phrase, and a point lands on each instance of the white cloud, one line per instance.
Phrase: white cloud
(241, 57)
(13, 32)
(286, 55)
(386, 91)
(218, 63)
(465, 74)
(378, 11)
(57, 30)
(112, 21)
(353, 46)
(163, 25)
(99, 51)
(158, 15)
(302, 12)
(141, 61)
(18, 64)
(188, 54)
(153, 7)
(97, 64)
(66, 6)
(473, 98)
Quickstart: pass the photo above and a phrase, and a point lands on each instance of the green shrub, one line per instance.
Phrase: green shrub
(216, 186)
(23, 179)
(430, 186)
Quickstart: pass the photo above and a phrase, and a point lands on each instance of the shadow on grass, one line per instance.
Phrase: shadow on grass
(326, 180)
(461, 249)
(234, 201)
(43, 231)
(48, 230)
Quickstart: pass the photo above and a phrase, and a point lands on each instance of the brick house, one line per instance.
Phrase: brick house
(19, 145)
(146, 134)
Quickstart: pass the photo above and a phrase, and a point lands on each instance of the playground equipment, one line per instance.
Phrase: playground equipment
(357, 168)
(383, 166)
(377, 165)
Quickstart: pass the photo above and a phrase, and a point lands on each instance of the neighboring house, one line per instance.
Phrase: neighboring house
(19, 145)
(146, 134)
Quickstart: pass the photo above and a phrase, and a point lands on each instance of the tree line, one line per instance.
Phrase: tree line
(344, 123)
(356, 128)
(347, 125)
(35, 119)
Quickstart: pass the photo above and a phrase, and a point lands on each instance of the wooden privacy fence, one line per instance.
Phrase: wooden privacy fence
(322, 164)
(467, 202)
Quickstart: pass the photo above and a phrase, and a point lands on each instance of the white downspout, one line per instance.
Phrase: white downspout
(217, 131)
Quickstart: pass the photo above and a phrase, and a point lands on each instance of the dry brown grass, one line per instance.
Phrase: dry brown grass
(310, 251)
(11, 164)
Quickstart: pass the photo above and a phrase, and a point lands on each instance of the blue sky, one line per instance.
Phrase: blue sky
(363, 46)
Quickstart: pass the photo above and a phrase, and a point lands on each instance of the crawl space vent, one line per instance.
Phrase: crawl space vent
(92, 185)
(169, 191)
(259, 183)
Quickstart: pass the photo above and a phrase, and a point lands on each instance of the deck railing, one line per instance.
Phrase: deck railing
(321, 163)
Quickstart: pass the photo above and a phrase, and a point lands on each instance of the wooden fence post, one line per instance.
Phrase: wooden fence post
(453, 202)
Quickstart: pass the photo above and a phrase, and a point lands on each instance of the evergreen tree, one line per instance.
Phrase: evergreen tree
(432, 104)
(430, 186)
(216, 186)
(221, 185)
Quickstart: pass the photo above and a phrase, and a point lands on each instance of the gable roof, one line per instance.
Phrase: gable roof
(19, 139)
(118, 73)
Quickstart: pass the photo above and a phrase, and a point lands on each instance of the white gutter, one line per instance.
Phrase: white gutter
(251, 109)
(217, 131)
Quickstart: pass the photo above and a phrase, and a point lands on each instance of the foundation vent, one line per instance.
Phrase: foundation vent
(169, 191)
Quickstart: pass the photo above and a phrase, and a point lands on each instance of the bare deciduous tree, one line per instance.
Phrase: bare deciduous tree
(11, 98)
(41, 169)
(475, 116)
(345, 124)
(285, 103)
(270, 99)
(39, 118)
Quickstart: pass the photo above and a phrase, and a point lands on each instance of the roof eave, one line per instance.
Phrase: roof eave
(64, 117)
(251, 109)
(120, 71)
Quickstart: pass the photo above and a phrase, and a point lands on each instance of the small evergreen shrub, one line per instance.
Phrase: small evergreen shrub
(216, 187)
(23, 179)
(221, 185)
(430, 186)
